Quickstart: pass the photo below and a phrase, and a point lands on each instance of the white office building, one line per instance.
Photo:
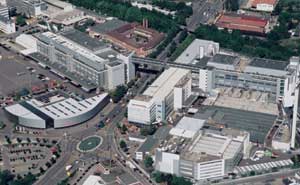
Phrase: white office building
(29, 8)
(78, 57)
(7, 25)
(200, 154)
(158, 100)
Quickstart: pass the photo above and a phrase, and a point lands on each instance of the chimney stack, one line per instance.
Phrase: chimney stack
(201, 52)
(145, 23)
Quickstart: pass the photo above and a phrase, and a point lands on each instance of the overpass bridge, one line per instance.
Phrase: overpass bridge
(158, 63)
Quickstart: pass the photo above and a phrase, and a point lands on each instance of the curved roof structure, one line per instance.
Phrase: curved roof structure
(62, 113)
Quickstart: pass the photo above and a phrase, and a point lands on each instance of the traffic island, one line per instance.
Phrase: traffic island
(89, 144)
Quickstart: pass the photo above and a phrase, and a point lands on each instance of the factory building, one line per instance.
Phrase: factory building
(167, 92)
(194, 152)
(83, 60)
(273, 79)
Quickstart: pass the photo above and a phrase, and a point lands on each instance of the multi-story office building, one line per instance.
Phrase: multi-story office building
(199, 153)
(81, 59)
(6, 24)
(158, 100)
(29, 8)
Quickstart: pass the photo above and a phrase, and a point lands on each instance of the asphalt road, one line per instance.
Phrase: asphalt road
(260, 178)
(203, 12)
(57, 172)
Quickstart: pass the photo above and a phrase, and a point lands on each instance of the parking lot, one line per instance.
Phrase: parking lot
(17, 72)
(23, 155)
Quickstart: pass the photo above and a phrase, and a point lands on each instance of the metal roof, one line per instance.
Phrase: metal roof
(84, 40)
(257, 124)
(108, 26)
(269, 64)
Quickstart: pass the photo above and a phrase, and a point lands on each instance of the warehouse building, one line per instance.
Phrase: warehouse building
(76, 56)
(194, 152)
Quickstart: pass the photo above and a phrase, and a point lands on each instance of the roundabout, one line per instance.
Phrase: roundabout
(89, 144)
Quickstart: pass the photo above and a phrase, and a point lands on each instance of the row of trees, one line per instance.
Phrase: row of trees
(263, 48)
(170, 179)
(7, 178)
(124, 11)
(182, 10)
(118, 93)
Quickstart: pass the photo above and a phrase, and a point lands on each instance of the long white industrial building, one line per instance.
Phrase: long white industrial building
(160, 98)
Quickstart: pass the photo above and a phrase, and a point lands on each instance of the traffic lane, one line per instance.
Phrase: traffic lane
(261, 178)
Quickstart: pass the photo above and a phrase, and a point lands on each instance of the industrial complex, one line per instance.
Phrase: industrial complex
(92, 94)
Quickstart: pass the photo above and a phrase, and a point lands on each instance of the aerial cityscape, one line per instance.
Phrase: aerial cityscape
(149, 92)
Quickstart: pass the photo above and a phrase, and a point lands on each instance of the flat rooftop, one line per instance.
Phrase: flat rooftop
(187, 127)
(165, 83)
(192, 51)
(211, 146)
(257, 124)
(58, 3)
(269, 2)
(269, 64)
(224, 59)
(84, 40)
(107, 26)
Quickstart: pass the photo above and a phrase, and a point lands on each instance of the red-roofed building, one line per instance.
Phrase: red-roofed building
(264, 5)
(244, 23)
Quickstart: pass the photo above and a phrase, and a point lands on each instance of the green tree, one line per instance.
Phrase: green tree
(123, 144)
(232, 5)
(148, 162)
(158, 177)
(133, 14)
(29, 179)
(124, 129)
(252, 173)
(180, 181)
(118, 93)
(148, 130)
(5, 177)
(20, 20)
